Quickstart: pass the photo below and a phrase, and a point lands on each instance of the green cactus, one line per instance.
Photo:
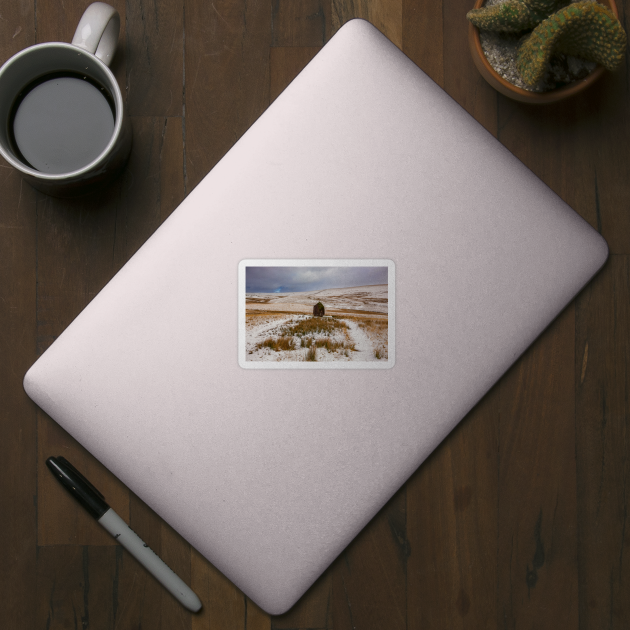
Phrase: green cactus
(513, 16)
(584, 29)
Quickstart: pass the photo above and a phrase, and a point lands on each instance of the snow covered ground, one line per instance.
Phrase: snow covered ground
(275, 337)
(281, 326)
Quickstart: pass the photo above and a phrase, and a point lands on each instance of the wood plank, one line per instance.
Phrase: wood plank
(152, 185)
(18, 421)
(386, 15)
(558, 147)
(603, 469)
(285, 64)
(17, 28)
(608, 128)
(423, 36)
(560, 150)
(255, 618)
(76, 587)
(369, 577)
(55, 23)
(171, 159)
(154, 57)
(313, 610)
(575, 147)
(224, 606)
(461, 78)
(300, 22)
(452, 526)
(565, 147)
(18, 415)
(226, 78)
(537, 537)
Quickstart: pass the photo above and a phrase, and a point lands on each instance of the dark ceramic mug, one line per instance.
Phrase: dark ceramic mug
(80, 150)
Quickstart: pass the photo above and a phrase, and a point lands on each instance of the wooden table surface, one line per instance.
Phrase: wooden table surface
(518, 520)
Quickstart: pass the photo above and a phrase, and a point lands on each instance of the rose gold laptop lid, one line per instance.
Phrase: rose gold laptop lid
(363, 163)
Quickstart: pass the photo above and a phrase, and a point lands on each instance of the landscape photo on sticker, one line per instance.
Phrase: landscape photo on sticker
(316, 314)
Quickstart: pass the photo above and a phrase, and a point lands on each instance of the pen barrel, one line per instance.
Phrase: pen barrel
(149, 559)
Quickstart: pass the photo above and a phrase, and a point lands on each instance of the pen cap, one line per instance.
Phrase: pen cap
(78, 486)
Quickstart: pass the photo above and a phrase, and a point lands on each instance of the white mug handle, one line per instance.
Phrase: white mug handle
(98, 31)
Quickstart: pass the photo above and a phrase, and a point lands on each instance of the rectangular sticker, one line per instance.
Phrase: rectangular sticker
(316, 314)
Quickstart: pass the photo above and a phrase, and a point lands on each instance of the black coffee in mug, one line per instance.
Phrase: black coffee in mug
(61, 122)
(63, 125)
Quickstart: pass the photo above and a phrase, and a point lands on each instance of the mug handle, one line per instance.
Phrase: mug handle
(98, 30)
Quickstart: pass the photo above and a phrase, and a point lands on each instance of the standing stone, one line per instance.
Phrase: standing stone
(318, 310)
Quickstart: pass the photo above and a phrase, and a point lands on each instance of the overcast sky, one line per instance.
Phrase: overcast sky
(291, 279)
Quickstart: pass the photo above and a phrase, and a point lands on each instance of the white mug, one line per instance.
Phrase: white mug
(101, 145)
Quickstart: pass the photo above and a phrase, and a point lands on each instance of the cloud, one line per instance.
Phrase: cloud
(292, 279)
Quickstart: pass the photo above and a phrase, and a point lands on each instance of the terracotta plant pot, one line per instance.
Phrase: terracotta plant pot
(519, 94)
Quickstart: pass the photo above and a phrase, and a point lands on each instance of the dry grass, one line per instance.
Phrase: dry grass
(331, 346)
(374, 326)
(315, 326)
(377, 331)
(277, 343)
(311, 333)
(329, 333)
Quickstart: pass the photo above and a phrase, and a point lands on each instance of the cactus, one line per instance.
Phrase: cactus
(513, 16)
(584, 29)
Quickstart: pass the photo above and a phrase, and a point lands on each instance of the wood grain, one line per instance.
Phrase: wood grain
(386, 15)
(76, 587)
(18, 416)
(602, 380)
(537, 510)
(609, 133)
(285, 64)
(57, 22)
(151, 187)
(461, 79)
(369, 577)
(573, 149)
(300, 23)
(452, 515)
(559, 148)
(422, 36)
(154, 57)
(224, 606)
(313, 610)
(226, 78)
